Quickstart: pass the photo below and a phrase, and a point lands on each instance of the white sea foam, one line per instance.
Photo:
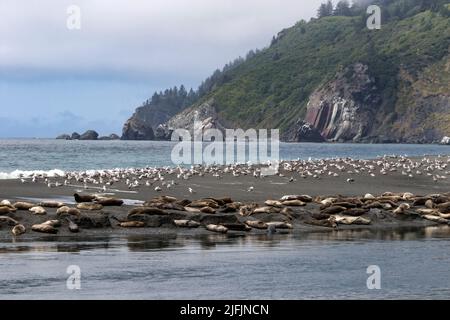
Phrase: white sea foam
(16, 174)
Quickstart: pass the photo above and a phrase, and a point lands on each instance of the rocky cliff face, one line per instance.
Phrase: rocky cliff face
(343, 109)
(203, 117)
(137, 129)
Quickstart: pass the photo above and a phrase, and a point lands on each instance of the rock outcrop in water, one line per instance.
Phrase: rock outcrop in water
(88, 135)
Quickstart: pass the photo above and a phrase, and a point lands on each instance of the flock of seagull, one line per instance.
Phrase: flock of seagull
(160, 179)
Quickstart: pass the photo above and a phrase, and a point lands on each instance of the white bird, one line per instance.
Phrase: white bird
(191, 190)
(158, 189)
(250, 189)
(350, 180)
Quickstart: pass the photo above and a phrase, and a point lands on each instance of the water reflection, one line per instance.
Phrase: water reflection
(142, 243)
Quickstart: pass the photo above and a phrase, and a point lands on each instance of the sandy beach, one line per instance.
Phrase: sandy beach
(341, 180)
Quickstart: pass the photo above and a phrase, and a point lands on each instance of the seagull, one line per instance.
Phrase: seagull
(191, 190)
(158, 189)
(250, 189)
(350, 180)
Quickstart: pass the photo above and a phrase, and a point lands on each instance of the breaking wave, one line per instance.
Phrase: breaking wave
(16, 174)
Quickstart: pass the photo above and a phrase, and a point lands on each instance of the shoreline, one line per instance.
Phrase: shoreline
(344, 181)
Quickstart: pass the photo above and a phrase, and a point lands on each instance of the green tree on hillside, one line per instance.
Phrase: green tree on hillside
(342, 8)
(325, 10)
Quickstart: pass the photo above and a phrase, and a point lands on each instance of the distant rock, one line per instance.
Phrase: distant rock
(203, 117)
(64, 137)
(445, 140)
(110, 137)
(136, 129)
(76, 136)
(89, 135)
(305, 132)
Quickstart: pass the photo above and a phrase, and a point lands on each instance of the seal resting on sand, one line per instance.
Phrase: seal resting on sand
(6, 210)
(83, 197)
(146, 210)
(89, 206)
(186, 223)
(280, 225)
(51, 204)
(70, 211)
(256, 224)
(109, 202)
(23, 205)
(132, 224)
(38, 211)
(46, 227)
(18, 230)
(216, 228)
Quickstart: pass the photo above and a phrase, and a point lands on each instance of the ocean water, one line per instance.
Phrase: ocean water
(19, 156)
(413, 265)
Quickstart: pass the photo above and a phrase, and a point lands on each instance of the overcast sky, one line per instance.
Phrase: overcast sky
(55, 80)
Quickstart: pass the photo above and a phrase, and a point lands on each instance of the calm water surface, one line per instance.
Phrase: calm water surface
(414, 265)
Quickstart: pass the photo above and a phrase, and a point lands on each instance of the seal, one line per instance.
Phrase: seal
(280, 225)
(207, 210)
(23, 205)
(146, 211)
(18, 230)
(83, 198)
(303, 198)
(68, 211)
(267, 210)
(256, 224)
(216, 228)
(294, 203)
(435, 219)
(402, 208)
(236, 227)
(44, 228)
(38, 211)
(6, 210)
(109, 202)
(51, 204)
(328, 223)
(186, 223)
(349, 220)
(90, 206)
(204, 203)
(334, 210)
(273, 203)
(132, 224)
(444, 207)
(355, 212)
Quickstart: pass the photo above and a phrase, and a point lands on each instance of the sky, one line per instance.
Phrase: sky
(57, 78)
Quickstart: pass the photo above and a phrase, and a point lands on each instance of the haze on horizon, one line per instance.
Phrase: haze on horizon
(54, 80)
